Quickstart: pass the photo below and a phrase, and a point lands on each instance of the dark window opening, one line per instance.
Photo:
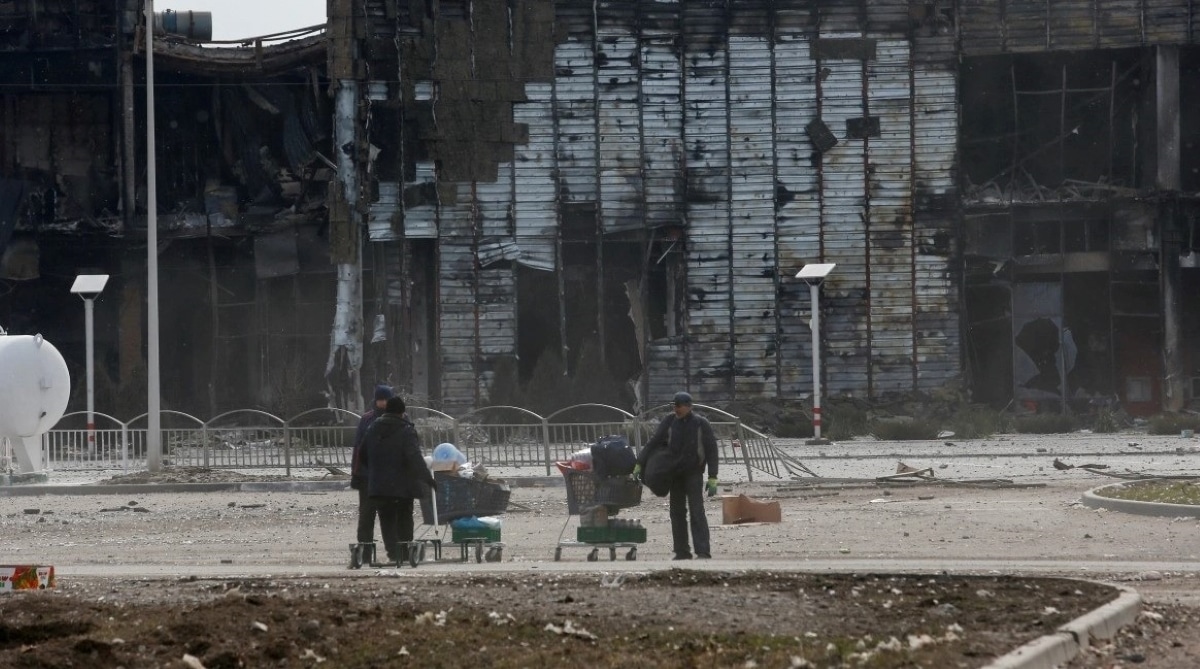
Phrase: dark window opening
(1052, 126)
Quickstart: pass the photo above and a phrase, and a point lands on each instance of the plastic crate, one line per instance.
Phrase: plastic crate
(459, 497)
(488, 534)
(611, 535)
(585, 491)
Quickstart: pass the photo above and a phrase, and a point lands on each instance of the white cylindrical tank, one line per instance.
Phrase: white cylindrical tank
(34, 389)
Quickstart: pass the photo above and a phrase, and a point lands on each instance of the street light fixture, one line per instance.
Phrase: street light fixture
(89, 287)
(814, 275)
(196, 26)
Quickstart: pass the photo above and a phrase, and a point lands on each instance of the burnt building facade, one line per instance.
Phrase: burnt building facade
(444, 193)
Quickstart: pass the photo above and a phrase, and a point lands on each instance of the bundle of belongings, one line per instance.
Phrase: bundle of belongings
(448, 459)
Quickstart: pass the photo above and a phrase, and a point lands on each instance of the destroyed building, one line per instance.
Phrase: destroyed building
(430, 192)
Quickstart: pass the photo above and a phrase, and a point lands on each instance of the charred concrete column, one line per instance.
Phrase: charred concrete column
(345, 219)
(1167, 179)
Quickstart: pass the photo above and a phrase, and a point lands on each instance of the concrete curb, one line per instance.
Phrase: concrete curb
(1093, 500)
(1055, 650)
(234, 486)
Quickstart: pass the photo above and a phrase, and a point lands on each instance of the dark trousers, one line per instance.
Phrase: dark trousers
(396, 524)
(366, 516)
(687, 501)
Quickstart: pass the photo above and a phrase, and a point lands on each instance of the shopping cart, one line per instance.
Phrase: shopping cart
(461, 497)
(599, 499)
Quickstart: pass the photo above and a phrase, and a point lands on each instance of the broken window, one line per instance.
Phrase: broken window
(1056, 126)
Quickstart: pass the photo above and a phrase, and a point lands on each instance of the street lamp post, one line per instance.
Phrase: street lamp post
(89, 287)
(196, 26)
(814, 275)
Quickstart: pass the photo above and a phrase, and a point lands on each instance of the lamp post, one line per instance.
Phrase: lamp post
(814, 275)
(196, 26)
(89, 287)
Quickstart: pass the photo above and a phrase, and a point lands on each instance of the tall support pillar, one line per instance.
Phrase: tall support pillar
(1167, 178)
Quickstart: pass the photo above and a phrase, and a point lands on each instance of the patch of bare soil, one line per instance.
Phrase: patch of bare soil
(188, 475)
(670, 619)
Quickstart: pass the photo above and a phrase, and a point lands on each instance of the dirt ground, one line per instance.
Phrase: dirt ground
(146, 579)
(676, 618)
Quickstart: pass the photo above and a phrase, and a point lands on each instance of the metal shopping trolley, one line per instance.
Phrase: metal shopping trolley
(460, 497)
(595, 501)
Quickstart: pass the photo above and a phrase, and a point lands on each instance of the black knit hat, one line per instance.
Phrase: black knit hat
(682, 398)
(383, 392)
(395, 404)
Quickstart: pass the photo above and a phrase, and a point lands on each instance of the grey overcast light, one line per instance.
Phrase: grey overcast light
(235, 19)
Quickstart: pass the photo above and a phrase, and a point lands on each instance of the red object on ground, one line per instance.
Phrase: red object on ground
(25, 577)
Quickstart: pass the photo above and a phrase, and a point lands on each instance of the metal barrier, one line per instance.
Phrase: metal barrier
(498, 436)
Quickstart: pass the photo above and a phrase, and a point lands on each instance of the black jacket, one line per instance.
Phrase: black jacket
(690, 441)
(357, 479)
(391, 459)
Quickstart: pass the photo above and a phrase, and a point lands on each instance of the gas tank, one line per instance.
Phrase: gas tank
(34, 385)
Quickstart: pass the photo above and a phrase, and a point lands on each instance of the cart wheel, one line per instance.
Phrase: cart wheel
(493, 554)
(414, 554)
(557, 554)
(612, 554)
(632, 554)
(594, 556)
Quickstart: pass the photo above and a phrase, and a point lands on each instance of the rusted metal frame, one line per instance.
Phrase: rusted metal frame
(772, 28)
(729, 210)
(599, 208)
(912, 212)
(866, 216)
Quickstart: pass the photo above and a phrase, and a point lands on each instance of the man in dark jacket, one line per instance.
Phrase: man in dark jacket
(690, 445)
(396, 475)
(366, 510)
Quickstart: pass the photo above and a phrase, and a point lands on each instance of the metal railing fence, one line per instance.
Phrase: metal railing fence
(497, 436)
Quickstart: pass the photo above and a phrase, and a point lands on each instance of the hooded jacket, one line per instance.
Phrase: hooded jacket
(391, 459)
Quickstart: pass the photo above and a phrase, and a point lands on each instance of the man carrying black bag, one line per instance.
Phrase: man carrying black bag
(673, 463)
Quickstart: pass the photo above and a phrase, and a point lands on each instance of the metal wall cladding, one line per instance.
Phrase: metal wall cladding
(693, 113)
(990, 27)
(420, 216)
(575, 115)
(383, 215)
(533, 215)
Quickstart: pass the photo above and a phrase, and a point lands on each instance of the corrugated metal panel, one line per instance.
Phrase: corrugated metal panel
(891, 234)
(753, 259)
(1167, 21)
(666, 369)
(706, 119)
(888, 17)
(843, 202)
(383, 215)
(937, 323)
(575, 111)
(981, 24)
(1027, 28)
(798, 213)
(1121, 23)
(420, 212)
(662, 121)
(456, 324)
(1072, 24)
(619, 121)
(536, 223)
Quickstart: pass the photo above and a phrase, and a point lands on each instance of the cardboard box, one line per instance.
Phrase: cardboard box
(741, 509)
(25, 577)
(447, 466)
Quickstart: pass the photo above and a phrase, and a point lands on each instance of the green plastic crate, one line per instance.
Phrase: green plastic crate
(611, 535)
(486, 533)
